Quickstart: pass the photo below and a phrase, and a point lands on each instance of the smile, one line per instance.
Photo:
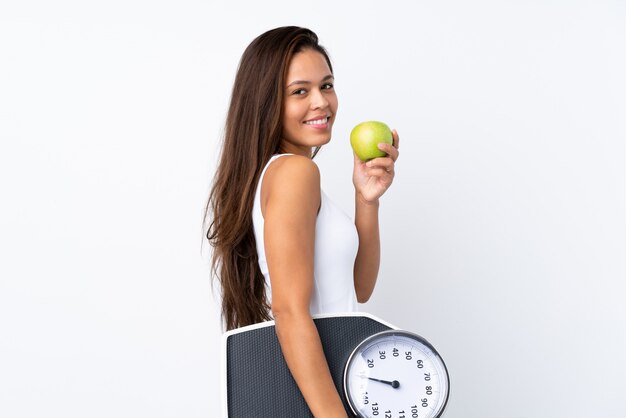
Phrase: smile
(323, 121)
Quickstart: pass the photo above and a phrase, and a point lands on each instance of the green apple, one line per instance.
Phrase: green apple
(365, 138)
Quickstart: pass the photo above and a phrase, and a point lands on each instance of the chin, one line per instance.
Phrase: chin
(322, 138)
(319, 143)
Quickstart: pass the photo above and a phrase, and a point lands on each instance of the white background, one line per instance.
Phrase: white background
(503, 235)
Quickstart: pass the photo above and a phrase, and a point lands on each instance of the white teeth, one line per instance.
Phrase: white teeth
(317, 122)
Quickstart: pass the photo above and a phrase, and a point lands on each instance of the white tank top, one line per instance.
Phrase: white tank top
(336, 245)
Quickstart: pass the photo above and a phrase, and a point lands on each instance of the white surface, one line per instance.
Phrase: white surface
(503, 236)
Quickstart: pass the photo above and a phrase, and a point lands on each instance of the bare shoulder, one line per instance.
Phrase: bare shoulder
(302, 168)
(292, 180)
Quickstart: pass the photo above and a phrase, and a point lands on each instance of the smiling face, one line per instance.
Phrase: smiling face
(310, 103)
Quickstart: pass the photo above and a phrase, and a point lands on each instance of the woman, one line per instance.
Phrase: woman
(282, 250)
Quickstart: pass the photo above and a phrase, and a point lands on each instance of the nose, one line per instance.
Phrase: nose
(318, 100)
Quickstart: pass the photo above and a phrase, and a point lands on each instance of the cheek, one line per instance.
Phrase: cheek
(333, 102)
(291, 118)
(293, 114)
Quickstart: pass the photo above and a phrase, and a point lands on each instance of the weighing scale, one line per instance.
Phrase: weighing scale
(379, 371)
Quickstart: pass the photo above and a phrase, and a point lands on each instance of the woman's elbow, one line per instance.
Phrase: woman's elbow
(362, 296)
(289, 313)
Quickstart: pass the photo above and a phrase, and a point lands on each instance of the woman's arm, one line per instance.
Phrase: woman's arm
(371, 180)
(290, 200)
(368, 256)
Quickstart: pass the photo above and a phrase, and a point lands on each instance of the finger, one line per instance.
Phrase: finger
(379, 172)
(396, 139)
(390, 150)
(385, 163)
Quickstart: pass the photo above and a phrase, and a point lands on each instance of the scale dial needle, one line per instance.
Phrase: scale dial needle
(394, 384)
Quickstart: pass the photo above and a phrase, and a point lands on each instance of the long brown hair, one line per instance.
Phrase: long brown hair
(252, 135)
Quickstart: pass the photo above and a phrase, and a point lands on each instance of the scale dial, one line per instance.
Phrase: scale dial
(396, 374)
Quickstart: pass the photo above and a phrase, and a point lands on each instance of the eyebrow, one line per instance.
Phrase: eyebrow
(328, 77)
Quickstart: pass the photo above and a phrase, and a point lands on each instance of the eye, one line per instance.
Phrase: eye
(299, 92)
(328, 86)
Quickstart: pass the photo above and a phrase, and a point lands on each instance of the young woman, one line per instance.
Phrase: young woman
(281, 248)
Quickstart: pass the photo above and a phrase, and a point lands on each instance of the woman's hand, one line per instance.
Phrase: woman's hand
(371, 179)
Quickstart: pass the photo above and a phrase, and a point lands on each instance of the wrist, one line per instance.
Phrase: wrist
(362, 201)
